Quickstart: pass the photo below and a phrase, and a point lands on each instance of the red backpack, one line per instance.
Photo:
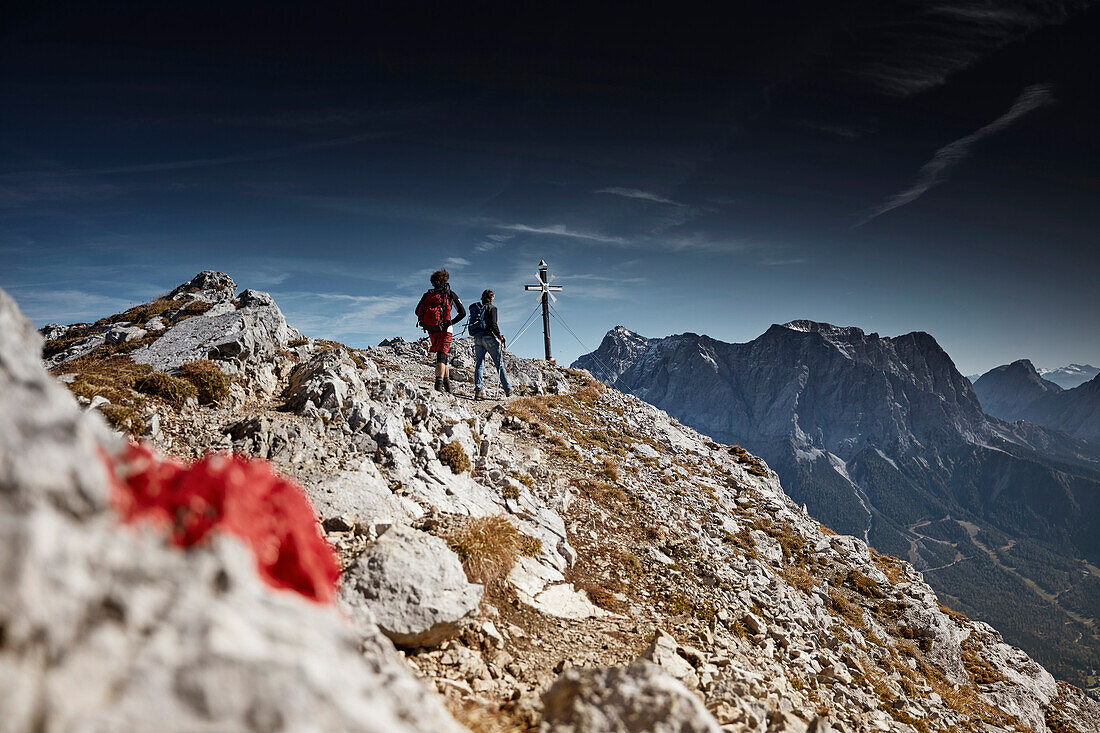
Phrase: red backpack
(434, 310)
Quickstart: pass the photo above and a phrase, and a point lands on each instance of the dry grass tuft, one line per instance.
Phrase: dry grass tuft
(123, 418)
(489, 546)
(454, 456)
(173, 390)
(210, 381)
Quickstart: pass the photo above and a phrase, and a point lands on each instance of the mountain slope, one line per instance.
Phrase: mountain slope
(619, 528)
(884, 439)
(1006, 391)
(1075, 411)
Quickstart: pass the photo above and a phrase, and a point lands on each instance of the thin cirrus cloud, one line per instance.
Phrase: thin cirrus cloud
(560, 230)
(917, 45)
(636, 193)
(171, 165)
(492, 241)
(939, 168)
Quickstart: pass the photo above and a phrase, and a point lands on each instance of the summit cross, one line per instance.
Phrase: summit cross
(546, 291)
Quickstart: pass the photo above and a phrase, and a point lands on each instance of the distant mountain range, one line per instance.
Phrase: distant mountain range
(1016, 391)
(884, 438)
(1070, 376)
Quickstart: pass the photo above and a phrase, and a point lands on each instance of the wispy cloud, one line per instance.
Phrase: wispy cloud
(937, 170)
(635, 193)
(456, 263)
(492, 241)
(560, 230)
(260, 155)
(918, 45)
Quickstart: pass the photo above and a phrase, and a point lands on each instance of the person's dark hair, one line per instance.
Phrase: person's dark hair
(441, 278)
(486, 296)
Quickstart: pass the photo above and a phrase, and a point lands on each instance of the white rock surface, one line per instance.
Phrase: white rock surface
(414, 587)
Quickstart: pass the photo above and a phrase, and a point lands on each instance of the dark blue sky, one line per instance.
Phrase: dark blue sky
(888, 165)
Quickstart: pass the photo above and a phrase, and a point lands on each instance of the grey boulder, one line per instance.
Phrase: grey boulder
(641, 697)
(414, 587)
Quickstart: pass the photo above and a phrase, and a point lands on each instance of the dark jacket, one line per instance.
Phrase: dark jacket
(491, 327)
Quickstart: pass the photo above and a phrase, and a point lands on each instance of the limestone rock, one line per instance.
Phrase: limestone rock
(664, 653)
(635, 699)
(414, 587)
(329, 381)
(110, 628)
(251, 333)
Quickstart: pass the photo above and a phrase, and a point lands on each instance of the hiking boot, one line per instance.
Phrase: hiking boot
(438, 384)
(477, 394)
(507, 393)
(447, 385)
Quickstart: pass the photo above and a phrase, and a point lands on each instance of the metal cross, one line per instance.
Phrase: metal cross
(546, 291)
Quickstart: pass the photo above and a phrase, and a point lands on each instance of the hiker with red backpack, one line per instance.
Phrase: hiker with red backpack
(433, 314)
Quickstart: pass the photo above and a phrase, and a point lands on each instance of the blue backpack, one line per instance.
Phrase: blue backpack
(477, 320)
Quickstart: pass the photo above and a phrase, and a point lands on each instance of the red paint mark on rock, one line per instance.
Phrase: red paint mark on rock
(232, 494)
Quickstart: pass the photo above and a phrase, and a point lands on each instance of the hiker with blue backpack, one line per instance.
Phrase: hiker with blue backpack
(487, 340)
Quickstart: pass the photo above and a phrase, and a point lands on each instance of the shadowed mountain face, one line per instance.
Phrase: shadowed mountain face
(1016, 391)
(885, 439)
(1076, 411)
(1006, 391)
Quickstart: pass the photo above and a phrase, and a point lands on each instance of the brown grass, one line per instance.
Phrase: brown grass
(890, 566)
(489, 546)
(123, 418)
(173, 390)
(210, 381)
(454, 456)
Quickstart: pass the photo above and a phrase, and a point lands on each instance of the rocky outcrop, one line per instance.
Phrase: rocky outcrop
(1006, 391)
(109, 628)
(640, 698)
(248, 332)
(413, 586)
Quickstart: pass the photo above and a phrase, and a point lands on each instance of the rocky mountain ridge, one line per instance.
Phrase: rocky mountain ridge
(883, 438)
(1006, 391)
(572, 559)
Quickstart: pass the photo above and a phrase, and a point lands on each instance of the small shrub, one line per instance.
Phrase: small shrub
(530, 546)
(173, 390)
(123, 418)
(600, 596)
(609, 468)
(800, 578)
(454, 456)
(194, 308)
(210, 381)
(847, 610)
(297, 342)
(678, 604)
(863, 585)
(981, 672)
(488, 547)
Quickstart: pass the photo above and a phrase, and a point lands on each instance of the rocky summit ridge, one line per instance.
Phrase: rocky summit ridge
(572, 559)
